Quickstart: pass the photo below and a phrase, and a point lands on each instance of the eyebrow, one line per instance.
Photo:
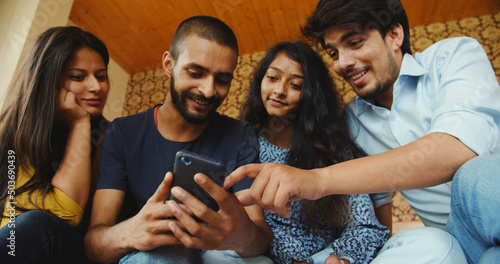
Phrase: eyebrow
(278, 69)
(198, 66)
(344, 37)
(83, 70)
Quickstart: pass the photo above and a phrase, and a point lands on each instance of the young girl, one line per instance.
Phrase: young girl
(295, 110)
(49, 131)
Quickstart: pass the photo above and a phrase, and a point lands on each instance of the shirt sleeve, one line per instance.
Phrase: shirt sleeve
(64, 207)
(113, 171)
(362, 239)
(56, 201)
(467, 95)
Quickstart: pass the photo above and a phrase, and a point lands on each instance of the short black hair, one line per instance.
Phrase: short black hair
(362, 15)
(206, 27)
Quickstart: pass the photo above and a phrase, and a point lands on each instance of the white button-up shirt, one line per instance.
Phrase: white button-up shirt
(449, 88)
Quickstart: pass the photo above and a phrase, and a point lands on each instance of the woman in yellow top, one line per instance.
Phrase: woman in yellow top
(50, 127)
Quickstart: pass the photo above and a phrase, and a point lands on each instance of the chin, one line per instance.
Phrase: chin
(94, 112)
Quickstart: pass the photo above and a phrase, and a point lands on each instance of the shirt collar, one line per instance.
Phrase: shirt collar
(411, 67)
(362, 104)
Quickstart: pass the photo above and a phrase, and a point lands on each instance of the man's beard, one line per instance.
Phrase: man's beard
(382, 86)
(180, 104)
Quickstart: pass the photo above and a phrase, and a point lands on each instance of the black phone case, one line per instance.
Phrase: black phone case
(187, 164)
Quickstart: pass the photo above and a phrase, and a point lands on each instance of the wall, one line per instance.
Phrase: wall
(21, 21)
(149, 88)
(10, 48)
(118, 79)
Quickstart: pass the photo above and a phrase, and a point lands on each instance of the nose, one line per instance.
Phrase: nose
(207, 87)
(344, 62)
(94, 85)
(280, 88)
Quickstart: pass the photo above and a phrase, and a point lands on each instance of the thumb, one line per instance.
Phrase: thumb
(163, 190)
(246, 199)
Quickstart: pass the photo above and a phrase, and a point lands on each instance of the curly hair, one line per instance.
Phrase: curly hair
(320, 135)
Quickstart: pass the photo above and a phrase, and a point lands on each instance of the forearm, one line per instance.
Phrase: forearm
(106, 244)
(428, 161)
(73, 175)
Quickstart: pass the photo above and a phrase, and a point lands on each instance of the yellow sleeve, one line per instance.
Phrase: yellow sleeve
(60, 204)
(56, 202)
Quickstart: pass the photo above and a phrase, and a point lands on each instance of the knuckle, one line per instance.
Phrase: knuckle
(270, 165)
(148, 215)
(196, 231)
(189, 243)
(226, 229)
(267, 202)
(218, 239)
(203, 213)
(149, 240)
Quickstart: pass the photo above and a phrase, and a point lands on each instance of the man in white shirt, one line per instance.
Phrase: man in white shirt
(419, 119)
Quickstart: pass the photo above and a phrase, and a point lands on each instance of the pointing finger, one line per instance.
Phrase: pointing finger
(246, 171)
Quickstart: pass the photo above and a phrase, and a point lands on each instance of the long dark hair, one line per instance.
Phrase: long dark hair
(320, 134)
(28, 126)
(362, 15)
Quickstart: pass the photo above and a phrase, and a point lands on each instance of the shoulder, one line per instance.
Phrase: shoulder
(230, 130)
(451, 44)
(133, 119)
(132, 122)
(450, 47)
(130, 127)
(228, 126)
(228, 122)
(454, 57)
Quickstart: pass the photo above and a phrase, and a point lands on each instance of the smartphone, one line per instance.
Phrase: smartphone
(187, 164)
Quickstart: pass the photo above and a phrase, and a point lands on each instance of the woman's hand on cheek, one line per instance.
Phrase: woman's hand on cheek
(68, 111)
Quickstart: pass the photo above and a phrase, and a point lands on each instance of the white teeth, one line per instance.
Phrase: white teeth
(359, 75)
(201, 102)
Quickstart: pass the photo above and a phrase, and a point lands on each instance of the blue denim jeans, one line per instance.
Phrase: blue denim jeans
(231, 257)
(41, 238)
(172, 254)
(421, 245)
(475, 209)
(178, 254)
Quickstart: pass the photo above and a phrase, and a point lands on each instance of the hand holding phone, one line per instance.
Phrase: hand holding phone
(186, 165)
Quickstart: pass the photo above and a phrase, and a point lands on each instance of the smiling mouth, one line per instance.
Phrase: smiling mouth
(200, 101)
(355, 74)
(276, 102)
(93, 101)
(359, 75)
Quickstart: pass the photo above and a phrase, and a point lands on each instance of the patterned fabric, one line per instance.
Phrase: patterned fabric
(358, 243)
